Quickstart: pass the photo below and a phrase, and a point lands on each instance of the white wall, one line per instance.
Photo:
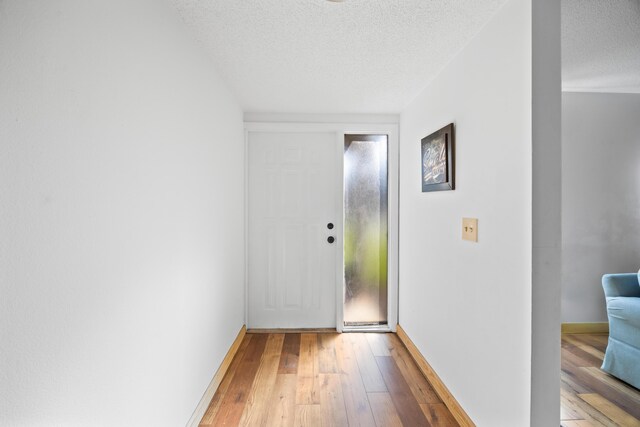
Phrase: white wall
(468, 306)
(121, 215)
(601, 197)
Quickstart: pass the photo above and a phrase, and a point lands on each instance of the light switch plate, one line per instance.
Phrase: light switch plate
(470, 229)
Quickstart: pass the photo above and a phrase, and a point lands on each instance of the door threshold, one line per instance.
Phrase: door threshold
(366, 328)
(293, 331)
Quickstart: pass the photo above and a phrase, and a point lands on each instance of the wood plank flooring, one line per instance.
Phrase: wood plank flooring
(591, 397)
(309, 379)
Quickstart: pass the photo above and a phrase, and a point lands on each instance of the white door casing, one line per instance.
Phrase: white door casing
(292, 185)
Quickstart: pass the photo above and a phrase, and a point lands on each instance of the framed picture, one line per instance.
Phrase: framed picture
(438, 173)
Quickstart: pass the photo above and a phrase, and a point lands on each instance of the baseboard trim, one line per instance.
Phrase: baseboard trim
(441, 390)
(585, 328)
(201, 409)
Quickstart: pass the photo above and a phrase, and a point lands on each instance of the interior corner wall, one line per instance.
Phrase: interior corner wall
(600, 196)
(121, 215)
(467, 306)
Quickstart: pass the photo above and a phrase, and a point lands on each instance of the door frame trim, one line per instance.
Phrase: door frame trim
(340, 129)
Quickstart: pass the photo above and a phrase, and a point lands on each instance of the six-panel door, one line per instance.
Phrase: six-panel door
(292, 197)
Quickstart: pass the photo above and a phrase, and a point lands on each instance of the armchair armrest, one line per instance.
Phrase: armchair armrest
(621, 285)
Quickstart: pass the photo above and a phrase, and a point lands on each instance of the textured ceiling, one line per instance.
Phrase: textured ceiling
(601, 45)
(316, 56)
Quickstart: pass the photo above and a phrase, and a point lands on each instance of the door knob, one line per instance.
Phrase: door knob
(331, 239)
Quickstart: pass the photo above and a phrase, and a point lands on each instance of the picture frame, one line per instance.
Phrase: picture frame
(438, 162)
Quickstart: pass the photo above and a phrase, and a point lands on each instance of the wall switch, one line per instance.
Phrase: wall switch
(470, 229)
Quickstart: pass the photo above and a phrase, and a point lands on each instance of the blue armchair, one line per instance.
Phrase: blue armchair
(622, 358)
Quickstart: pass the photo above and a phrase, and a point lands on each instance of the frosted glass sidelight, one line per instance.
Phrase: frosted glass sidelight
(365, 229)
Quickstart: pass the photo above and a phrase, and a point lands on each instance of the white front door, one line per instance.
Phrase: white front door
(293, 180)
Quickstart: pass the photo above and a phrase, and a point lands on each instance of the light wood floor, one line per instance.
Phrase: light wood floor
(590, 397)
(350, 379)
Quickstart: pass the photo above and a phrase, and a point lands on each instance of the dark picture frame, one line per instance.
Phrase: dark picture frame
(438, 163)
